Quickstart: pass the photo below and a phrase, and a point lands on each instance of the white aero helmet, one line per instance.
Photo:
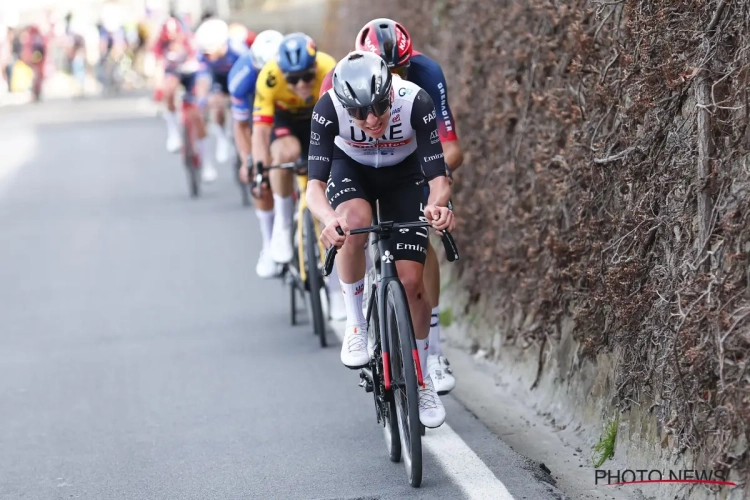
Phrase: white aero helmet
(265, 47)
(212, 35)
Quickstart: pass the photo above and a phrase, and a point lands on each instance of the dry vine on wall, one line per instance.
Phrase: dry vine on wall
(607, 178)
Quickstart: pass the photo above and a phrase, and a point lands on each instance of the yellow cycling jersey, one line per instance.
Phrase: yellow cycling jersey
(273, 95)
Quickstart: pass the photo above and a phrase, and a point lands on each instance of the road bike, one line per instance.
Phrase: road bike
(304, 275)
(394, 371)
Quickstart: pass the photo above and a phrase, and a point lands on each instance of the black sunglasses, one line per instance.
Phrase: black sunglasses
(306, 77)
(377, 108)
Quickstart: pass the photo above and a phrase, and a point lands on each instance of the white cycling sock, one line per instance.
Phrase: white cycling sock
(202, 148)
(435, 348)
(284, 208)
(423, 346)
(171, 118)
(266, 226)
(353, 301)
(217, 131)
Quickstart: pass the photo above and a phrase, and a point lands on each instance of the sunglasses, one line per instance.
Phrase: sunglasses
(378, 109)
(293, 79)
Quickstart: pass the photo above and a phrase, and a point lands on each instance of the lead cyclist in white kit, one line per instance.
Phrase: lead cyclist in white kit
(374, 138)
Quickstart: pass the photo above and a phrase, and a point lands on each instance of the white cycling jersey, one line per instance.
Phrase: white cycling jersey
(412, 128)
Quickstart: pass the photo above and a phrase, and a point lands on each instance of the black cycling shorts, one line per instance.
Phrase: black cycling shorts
(285, 124)
(398, 191)
(221, 84)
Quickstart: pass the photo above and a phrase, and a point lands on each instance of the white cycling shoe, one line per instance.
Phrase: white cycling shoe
(440, 372)
(209, 172)
(281, 242)
(174, 141)
(266, 267)
(223, 149)
(431, 409)
(354, 347)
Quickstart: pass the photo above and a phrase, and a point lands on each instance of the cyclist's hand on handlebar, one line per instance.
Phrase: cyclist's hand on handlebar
(330, 236)
(440, 217)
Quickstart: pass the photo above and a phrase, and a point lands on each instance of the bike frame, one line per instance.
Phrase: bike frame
(386, 272)
(301, 207)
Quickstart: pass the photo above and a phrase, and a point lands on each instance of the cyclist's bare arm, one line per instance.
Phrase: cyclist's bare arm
(243, 140)
(261, 143)
(454, 156)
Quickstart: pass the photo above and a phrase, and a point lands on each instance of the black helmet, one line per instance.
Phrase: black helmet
(362, 82)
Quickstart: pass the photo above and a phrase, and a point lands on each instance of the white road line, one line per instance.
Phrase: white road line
(458, 461)
(463, 466)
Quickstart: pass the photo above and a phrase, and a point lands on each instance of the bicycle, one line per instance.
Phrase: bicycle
(305, 273)
(394, 370)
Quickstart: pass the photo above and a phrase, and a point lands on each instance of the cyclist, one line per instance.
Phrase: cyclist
(286, 92)
(392, 42)
(173, 50)
(242, 80)
(377, 143)
(217, 56)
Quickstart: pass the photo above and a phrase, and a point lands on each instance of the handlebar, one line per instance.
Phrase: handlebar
(261, 178)
(385, 228)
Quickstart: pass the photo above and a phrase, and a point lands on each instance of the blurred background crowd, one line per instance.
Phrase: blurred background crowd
(101, 44)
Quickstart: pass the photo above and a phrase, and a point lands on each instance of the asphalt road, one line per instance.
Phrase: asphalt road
(141, 358)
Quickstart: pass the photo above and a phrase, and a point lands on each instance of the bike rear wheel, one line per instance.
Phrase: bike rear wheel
(191, 162)
(315, 282)
(404, 380)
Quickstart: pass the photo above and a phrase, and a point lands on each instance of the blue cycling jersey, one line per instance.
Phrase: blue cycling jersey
(242, 78)
(223, 65)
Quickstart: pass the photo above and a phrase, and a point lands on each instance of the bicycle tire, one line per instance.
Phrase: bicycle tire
(193, 173)
(314, 278)
(403, 372)
(390, 423)
(292, 275)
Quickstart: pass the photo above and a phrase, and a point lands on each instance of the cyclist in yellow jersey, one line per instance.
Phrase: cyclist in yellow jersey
(286, 92)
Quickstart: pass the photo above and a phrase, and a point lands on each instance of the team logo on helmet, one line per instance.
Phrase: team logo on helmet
(311, 48)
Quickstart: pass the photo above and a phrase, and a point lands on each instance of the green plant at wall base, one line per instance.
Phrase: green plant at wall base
(446, 317)
(605, 448)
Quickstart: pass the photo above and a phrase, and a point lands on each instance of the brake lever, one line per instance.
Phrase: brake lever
(331, 256)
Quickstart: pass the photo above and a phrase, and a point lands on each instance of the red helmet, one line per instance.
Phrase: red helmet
(387, 38)
(171, 29)
(250, 40)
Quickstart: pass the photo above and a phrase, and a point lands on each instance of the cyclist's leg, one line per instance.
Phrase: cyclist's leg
(287, 145)
(202, 86)
(348, 196)
(437, 365)
(401, 201)
(217, 103)
(170, 84)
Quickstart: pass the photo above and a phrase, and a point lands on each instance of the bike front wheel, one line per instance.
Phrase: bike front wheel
(404, 380)
(191, 162)
(317, 289)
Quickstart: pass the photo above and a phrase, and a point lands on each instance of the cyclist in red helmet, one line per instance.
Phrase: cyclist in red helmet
(174, 55)
(393, 43)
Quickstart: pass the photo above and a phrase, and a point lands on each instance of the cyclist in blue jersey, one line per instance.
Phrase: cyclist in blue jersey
(217, 55)
(392, 42)
(242, 79)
